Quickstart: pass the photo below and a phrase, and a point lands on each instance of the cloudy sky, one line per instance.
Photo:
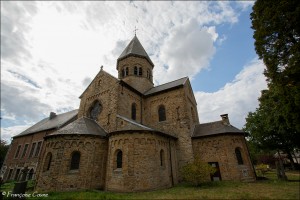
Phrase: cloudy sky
(50, 52)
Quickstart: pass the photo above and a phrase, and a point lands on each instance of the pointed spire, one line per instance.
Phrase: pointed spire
(135, 48)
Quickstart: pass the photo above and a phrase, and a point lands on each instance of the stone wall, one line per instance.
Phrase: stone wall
(104, 88)
(59, 177)
(126, 99)
(140, 83)
(221, 149)
(142, 168)
(178, 119)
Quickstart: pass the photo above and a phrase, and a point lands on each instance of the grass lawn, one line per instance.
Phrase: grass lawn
(263, 189)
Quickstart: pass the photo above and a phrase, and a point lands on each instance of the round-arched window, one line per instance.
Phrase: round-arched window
(95, 110)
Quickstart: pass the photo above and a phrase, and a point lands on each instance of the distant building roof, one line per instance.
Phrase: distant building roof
(52, 122)
(82, 126)
(135, 126)
(135, 48)
(166, 86)
(214, 128)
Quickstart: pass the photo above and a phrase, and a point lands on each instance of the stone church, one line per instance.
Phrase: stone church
(128, 135)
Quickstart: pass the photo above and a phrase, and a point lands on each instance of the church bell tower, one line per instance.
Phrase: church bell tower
(135, 66)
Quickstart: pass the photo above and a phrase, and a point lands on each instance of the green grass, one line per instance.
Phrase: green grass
(265, 189)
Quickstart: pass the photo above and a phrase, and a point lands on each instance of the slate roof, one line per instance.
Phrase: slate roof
(47, 123)
(214, 128)
(167, 86)
(135, 48)
(82, 126)
(134, 126)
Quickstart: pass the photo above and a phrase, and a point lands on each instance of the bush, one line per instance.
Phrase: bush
(262, 169)
(197, 172)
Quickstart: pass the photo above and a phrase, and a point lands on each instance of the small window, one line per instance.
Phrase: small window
(127, 71)
(17, 175)
(30, 174)
(75, 160)
(133, 111)
(18, 151)
(238, 155)
(135, 70)
(47, 162)
(140, 71)
(119, 159)
(38, 148)
(9, 174)
(32, 150)
(25, 150)
(162, 158)
(123, 73)
(162, 113)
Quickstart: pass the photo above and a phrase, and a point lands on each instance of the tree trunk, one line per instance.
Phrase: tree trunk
(280, 169)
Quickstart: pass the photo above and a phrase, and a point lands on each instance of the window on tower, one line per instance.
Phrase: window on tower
(140, 71)
(135, 70)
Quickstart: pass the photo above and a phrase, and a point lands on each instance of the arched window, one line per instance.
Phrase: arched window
(133, 111)
(75, 160)
(47, 163)
(95, 110)
(119, 159)
(161, 113)
(30, 174)
(135, 70)
(123, 73)
(238, 155)
(127, 71)
(140, 71)
(162, 158)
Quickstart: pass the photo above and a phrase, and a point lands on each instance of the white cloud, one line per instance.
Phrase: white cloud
(50, 51)
(9, 132)
(236, 98)
(186, 51)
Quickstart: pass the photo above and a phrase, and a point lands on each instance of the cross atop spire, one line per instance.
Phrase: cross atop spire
(135, 29)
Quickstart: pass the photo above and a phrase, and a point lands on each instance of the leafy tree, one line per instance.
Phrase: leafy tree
(197, 172)
(276, 27)
(3, 150)
(275, 125)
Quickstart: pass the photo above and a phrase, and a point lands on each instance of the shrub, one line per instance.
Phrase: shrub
(197, 172)
(262, 169)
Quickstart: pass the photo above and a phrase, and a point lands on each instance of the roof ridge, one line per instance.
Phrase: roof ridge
(172, 81)
(166, 83)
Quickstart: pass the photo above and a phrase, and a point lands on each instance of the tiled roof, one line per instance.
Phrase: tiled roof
(135, 126)
(166, 86)
(82, 126)
(135, 48)
(214, 128)
(47, 123)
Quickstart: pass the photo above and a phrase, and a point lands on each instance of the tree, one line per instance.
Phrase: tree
(275, 125)
(3, 150)
(276, 27)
